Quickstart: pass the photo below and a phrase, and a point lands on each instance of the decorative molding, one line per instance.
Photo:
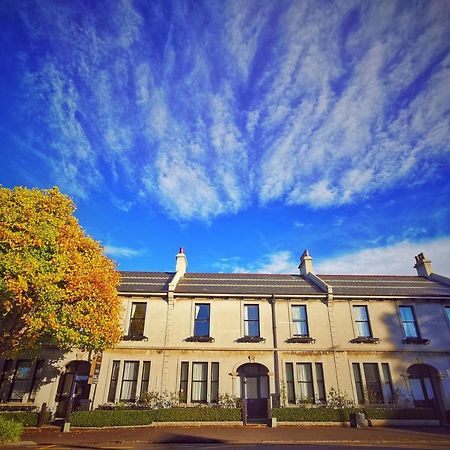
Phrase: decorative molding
(251, 339)
(199, 339)
(300, 340)
(416, 340)
(365, 340)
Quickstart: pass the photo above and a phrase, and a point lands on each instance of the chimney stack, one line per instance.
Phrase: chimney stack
(306, 265)
(423, 266)
(181, 264)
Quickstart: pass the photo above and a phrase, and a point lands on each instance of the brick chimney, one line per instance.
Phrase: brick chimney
(306, 265)
(423, 266)
(181, 263)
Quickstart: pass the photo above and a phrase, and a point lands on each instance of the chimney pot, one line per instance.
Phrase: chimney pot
(423, 266)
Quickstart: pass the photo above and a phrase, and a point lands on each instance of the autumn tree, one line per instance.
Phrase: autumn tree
(57, 288)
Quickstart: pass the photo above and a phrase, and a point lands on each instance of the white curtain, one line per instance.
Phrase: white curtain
(199, 382)
(304, 379)
(129, 382)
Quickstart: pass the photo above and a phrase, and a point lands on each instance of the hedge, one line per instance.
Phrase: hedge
(102, 418)
(401, 413)
(10, 430)
(320, 414)
(324, 414)
(26, 418)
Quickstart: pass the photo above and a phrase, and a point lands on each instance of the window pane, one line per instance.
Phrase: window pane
(304, 379)
(38, 373)
(201, 325)
(407, 313)
(252, 329)
(137, 319)
(290, 382)
(416, 389)
(388, 390)
(214, 382)
(320, 382)
(184, 382)
(145, 377)
(410, 329)
(202, 311)
(129, 380)
(251, 312)
(363, 329)
(21, 379)
(113, 383)
(264, 386)
(358, 382)
(428, 388)
(199, 382)
(373, 383)
(360, 313)
(447, 310)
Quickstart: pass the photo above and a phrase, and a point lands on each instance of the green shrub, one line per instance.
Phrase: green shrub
(104, 418)
(400, 413)
(26, 418)
(10, 431)
(315, 414)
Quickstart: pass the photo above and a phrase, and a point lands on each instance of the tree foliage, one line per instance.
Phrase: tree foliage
(57, 287)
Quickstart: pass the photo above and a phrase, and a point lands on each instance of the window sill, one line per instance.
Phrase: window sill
(301, 340)
(415, 340)
(365, 340)
(200, 339)
(132, 337)
(251, 339)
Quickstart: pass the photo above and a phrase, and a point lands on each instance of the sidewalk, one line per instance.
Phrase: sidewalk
(240, 434)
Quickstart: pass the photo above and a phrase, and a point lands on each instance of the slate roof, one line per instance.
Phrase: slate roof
(145, 281)
(384, 285)
(267, 284)
(243, 283)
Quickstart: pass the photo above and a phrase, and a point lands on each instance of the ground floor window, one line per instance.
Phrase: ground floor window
(204, 382)
(20, 379)
(373, 388)
(306, 383)
(133, 378)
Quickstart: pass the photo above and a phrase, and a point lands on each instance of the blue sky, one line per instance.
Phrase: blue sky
(245, 131)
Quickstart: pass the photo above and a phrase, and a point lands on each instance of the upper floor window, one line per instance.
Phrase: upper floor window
(362, 323)
(201, 324)
(409, 322)
(299, 320)
(137, 319)
(251, 320)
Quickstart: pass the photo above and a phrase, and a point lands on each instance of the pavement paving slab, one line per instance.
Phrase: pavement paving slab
(327, 436)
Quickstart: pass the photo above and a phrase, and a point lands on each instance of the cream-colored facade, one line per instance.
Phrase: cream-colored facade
(267, 338)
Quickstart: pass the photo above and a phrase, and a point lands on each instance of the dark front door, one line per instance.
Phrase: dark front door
(73, 381)
(255, 390)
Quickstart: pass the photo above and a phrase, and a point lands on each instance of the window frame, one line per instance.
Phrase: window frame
(25, 382)
(414, 322)
(202, 382)
(202, 321)
(368, 384)
(214, 382)
(132, 320)
(309, 383)
(366, 321)
(145, 377)
(290, 383)
(248, 321)
(184, 382)
(359, 384)
(300, 321)
(134, 381)
(113, 381)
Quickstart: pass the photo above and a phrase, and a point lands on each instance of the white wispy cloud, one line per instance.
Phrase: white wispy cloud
(396, 259)
(122, 252)
(301, 102)
(278, 262)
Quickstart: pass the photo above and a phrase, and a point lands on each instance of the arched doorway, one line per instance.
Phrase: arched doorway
(75, 379)
(424, 381)
(254, 390)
